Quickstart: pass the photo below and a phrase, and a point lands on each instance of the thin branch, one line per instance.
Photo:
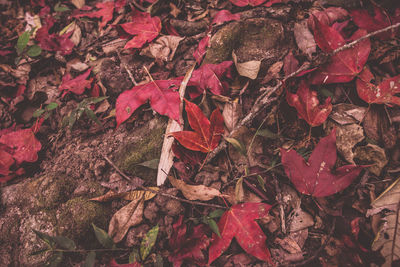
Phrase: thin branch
(162, 193)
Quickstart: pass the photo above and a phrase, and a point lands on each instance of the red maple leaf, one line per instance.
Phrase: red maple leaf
(307, 105)
(224, 16)
(76, 85)
(345, 65)
(239, 222)
(315, 177)
(328, 16)
(206, 135)
(53, 42)
(242, 3)
(209, 76)
(380, 20)
(185, 246)
(384, 93)
(144, 28)
(162, 95)
(201, 49)
(105, 12)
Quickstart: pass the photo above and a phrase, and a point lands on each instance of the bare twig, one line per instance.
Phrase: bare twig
(160, 192)
(127, 70)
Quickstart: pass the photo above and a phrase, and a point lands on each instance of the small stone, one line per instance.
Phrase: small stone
(173, 207)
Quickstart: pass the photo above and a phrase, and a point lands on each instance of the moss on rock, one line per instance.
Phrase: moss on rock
(148, 148)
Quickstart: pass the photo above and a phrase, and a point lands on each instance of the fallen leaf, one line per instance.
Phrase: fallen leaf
(6, 161)
(247, 69)
(201, 49)
(347, 137)
(206, 134)
(224, 16)
(194, 192)
(328, 16)
(54, 41)
(128, 216)
(290, 64)
(143, 27)
(190, 157)
(187, 246)
(384, 93)
(386, 239)
(315, 177)
(243, 3)
(345, 65)
(209, 76)
(162, 95)
(76, 85)
(304, 38)
(130, 195)
(105, 12)
(307, 105)
(371, 155)
(232, 113)
(239, 222)
(163, 48)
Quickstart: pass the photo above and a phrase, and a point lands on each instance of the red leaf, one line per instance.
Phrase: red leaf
(53, 42)
(239, 222)
(105, 12)
(242, 3)
(76, 85)
(209, 76)
(307, 105)
(162, 95)
(315, 177)
(345, 65)
(206, 135)
(6, 161)
(384, 93)
(187, 156)
(364, 20)
(224, 16)
(185, 246)
(201, 49)
(23, 144)
(328, 16)
(144, 28)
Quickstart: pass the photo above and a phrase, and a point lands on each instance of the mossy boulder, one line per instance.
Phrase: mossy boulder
(76, 217)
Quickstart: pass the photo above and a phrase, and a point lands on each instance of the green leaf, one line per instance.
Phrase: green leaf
(267, 134)
(261, 182)
(23, 40)
(51, 106)
(34, 51)
(92, 116)
(134, 256)
(237, 145)
(103, 237)
(214, 227)
(46, 238)
(216, 213)
(151, 164)
(72, 119)
(90, 259)
(64, 242)
(56, 259)
(38, 113)
(95, 100)
(148, 242)
(61, 8)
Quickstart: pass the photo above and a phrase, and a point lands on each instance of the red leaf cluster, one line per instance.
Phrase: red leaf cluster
(16, 147)
(239, 222)
(384, 93)
(345, 65)
(143, 27)
(162, 94)
(307, 105)
(315, 177)
(188, 246)
(105, 12)
(76, 85)
(53, 42)
(206, 134)
(243, 3)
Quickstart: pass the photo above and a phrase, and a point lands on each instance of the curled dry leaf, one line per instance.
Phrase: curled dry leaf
(128, 216)
(247, 69)
(232, 113)
(304, 38)
(195, 192)
(162, 48)
(131, 195)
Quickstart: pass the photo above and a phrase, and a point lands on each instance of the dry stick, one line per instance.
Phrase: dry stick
(127, 70)
(264, 101)
(162, 193)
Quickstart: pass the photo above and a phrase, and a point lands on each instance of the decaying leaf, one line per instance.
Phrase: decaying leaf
(76, 85)
(388, 238)
(162, 48)
(128, 216)
(232, 113)
(304, 38)
(371, 154)
(195, 192)
(247, 69)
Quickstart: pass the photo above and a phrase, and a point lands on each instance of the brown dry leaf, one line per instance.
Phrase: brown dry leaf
(78, 3)
(388, 238)
(195, 192)
(247, 69)
(347, 113)
(347, 136)
(128, 216)
(299, 220)
(288, 244)
(304, 38)
(273, 72)
(231, 114)
(371, 154)
(163, 48)
(230, 195)
(132, 195)
(109, 196)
